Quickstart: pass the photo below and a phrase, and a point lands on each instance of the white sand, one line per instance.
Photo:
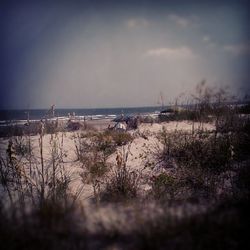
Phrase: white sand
(141, 158)
(140, 151)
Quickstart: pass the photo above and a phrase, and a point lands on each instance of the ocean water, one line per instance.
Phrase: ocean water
(105, 113)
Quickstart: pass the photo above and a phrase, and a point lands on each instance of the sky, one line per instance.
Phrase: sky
(100, 54)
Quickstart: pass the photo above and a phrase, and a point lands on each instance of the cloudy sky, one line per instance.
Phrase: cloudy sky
(94, 54)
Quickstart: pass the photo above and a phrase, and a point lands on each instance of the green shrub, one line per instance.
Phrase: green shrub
(98, 169)
(100, 145)
(104, 143)
(119, 138)
(164, 186)
(201, 150)
(122, 185)
(21, 146)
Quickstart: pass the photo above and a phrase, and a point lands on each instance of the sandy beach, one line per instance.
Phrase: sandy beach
(140, 151)
(124, 125)
(92, 165)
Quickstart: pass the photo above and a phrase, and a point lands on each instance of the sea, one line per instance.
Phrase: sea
(21, 115)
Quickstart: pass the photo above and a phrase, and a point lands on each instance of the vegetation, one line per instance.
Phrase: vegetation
(199, 150)
(164, 186)
(123, 185)
(195, 196)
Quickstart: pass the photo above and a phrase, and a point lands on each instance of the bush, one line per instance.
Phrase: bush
(122, 185)
(104, 143)
(99, 146)
(164, 186)
(201, 150)
(98, 169)
(21, 146)
(119, 138)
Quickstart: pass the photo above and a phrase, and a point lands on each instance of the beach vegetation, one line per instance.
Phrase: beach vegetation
(164, 186)
(122, 185)
(194, 194)
(123, 182)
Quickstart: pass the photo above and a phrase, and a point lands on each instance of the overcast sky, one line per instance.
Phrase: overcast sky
(90, 54)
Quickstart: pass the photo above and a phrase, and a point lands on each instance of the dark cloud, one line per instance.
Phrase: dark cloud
(60, 51)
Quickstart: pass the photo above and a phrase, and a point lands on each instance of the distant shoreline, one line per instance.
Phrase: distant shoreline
(101, 113)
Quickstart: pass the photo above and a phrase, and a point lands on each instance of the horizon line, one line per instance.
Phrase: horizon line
(128, 107)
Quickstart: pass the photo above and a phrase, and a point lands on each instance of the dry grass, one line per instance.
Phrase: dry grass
(201, 189)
